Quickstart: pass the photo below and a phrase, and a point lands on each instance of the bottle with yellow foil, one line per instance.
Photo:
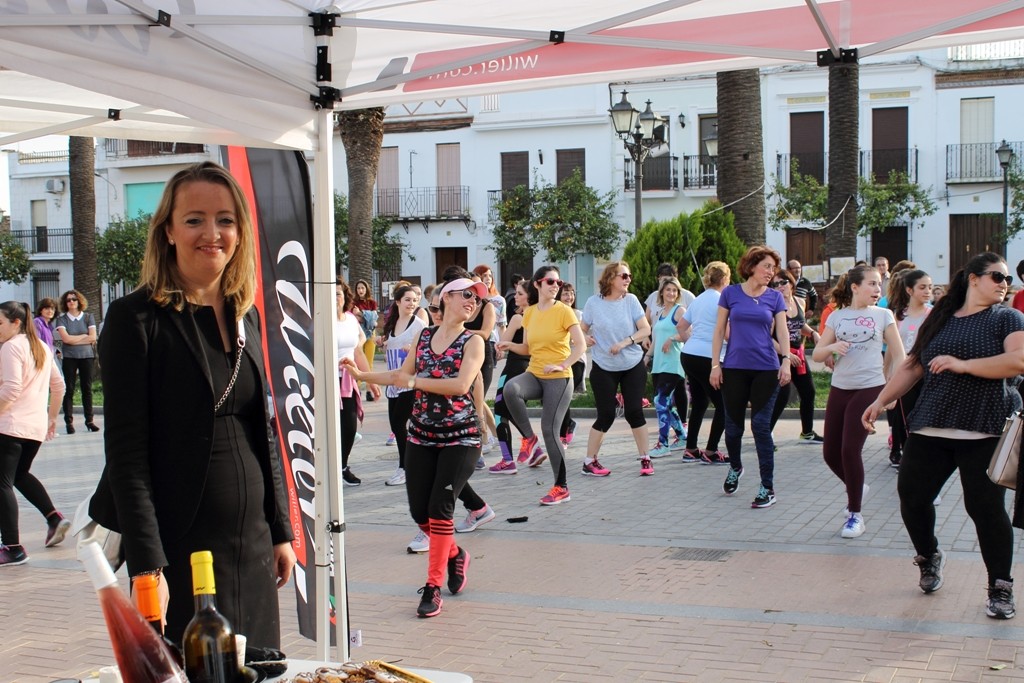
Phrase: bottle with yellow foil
(209, 640)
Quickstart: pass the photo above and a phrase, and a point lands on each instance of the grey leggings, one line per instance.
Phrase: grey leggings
(554, 395)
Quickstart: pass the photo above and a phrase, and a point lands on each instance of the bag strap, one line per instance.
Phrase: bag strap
(240, 342)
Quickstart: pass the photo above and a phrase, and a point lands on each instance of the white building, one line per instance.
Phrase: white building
(938, 115)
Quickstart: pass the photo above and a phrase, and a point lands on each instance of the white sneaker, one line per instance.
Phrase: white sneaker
(396, 479)
(475, 519)
(419, 544)
(853, 527)
(491, 444)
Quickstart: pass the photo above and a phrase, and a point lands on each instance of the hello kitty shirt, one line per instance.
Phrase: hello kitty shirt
(864, 329)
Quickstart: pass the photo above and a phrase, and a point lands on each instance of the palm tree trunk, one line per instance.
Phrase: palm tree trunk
(740, 151)
(362, 132)
(843, 159)
(81, 167)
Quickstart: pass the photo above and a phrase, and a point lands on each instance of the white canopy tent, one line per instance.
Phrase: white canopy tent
(267, 73)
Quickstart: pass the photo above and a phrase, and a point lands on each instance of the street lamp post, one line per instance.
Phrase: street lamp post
(1005, 155)
(637, 131)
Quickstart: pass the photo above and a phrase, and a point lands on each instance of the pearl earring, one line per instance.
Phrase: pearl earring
(172, 242)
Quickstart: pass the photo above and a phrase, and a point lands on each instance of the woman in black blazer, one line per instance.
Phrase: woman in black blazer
(190, 460)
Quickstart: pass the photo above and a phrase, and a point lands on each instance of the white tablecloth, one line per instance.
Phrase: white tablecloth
(296, 666)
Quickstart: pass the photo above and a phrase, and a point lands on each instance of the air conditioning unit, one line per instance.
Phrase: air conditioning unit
(55, 185)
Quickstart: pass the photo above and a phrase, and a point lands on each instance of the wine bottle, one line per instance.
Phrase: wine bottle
(147, 601)
(209, 641)
(141, 654)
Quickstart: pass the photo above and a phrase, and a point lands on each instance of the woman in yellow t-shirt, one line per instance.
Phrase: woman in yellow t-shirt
(548, 328)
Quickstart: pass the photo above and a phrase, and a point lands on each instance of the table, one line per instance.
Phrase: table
(296, 666)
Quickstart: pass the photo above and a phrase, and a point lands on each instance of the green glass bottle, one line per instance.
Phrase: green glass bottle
(209, 640)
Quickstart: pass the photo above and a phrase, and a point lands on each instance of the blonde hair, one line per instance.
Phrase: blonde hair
(715, 272)
(160, 272)
(665, 282)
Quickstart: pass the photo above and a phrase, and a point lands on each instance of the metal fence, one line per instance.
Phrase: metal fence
(977, 162)
(422, 202)
(122, 149)
(45, 240)
(660, 173)
(700, 172)
(882, 161)
(813, 164)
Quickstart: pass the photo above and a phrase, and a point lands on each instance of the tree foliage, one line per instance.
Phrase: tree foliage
(15, 265)
(688, 241)
(385, 246)
(561, 220)
(897, 201)
(121, 248)
(1015, 178)
(804, 202)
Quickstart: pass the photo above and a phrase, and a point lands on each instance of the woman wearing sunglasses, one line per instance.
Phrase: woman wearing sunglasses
(553, 340)
(855, 333)
(802, 380)
(967, 356)
(615, 323)
(76, 329)
(444, 434)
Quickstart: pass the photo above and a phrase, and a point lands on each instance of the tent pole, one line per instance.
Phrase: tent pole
(330, 521)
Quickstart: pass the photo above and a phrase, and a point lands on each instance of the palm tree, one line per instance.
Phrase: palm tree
(843, 159)
(740, 155)
(362, 133)
(81, 167)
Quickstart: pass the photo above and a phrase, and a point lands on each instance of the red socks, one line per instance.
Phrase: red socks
(442, 548)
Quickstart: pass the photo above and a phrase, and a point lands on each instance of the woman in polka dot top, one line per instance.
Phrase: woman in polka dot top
(968, 354)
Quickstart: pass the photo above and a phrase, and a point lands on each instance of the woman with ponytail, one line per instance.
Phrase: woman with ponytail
(967, 356)
(27, 375)
(909, 299)
(854, 336)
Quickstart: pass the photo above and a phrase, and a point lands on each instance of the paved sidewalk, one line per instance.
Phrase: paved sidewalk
(658, 578)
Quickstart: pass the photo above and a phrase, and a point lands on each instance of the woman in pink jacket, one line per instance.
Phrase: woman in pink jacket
(27, 375)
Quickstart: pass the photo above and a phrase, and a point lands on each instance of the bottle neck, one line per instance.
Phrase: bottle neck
(206, 602)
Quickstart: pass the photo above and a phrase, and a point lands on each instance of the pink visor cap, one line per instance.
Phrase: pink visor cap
(462, 283)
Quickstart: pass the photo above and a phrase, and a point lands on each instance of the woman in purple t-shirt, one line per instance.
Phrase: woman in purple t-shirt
(752, 373)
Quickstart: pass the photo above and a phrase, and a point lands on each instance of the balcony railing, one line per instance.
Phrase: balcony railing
(494, 200)
(660, 173)
(882, 161)
(700, 172)
(976, 162)
(422, 203)
(135, 149)
(813, 164)
(44, 240)
(56, 156)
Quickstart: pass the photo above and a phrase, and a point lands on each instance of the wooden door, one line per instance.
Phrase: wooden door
(971, 234)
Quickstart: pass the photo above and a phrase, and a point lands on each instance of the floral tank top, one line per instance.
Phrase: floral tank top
(442, 420)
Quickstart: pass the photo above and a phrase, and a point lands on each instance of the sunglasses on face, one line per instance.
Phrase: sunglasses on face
(779, 283)
(434, 309)
(467, 294)
(72, 298)
(551, 281)
(999, 278)
(626, 276)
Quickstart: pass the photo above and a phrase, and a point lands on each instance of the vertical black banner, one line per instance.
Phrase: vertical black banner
(277, 184)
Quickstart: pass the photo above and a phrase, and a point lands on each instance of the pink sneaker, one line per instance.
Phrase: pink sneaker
(503, 467)
(526, 448)
(538, 457)
(594, 469)
(646, 467)
(557, 494)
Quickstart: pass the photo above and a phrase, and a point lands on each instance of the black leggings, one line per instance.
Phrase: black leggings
(16, 456)
(435, 477)
(487, 369)
(399, 411)
(698, 372)
(899, 416)
(605, 383)
(72, 367)
(349, 425)
(928, 462)
(805, 390)
(577, 384)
